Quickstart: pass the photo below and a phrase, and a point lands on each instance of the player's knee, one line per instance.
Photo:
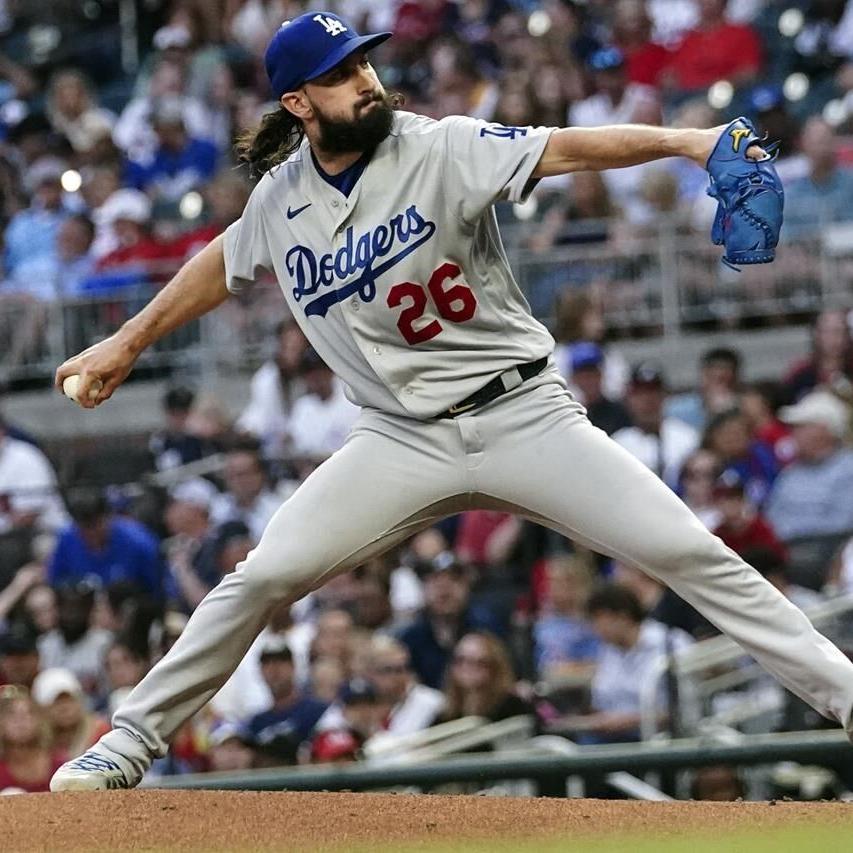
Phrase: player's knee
(703, 551)
(274, 577)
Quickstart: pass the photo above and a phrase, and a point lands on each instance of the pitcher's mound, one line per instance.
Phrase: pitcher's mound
(243, 821)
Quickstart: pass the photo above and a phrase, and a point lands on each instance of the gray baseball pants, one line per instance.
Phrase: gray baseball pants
(532, 451)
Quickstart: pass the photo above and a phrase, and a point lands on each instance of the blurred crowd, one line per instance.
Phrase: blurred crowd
(116, 158)
(483, 615)
(116, 165)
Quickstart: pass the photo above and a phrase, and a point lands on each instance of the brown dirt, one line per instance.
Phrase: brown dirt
(219, 820)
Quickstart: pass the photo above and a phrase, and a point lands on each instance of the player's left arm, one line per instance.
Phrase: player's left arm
(584, 149)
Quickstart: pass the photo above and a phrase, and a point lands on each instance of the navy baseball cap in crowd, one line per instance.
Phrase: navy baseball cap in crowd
(606, 59)
(309, 46)
(18, 641)
(647, 374)
(586, 354)
(446, 561)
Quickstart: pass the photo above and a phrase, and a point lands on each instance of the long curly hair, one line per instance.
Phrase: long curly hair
(278, 135)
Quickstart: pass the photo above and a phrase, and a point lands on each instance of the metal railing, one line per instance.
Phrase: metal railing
(719, 665)
(668, 282)
(829, 748)
(449, 738)
(661, 285)
(624, 783)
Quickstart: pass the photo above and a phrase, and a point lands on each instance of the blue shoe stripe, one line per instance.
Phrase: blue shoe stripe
(91, 761)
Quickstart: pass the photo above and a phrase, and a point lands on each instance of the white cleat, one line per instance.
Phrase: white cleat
(92, 771)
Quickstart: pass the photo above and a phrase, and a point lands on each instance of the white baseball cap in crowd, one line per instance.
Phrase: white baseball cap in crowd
(198, 491)
(276, 646)
(228, 731)
(172, 36)
(132, 205)
(45, 170)
(52, 683)
(819, 407)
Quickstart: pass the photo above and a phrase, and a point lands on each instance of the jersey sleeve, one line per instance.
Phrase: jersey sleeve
(486, 162)
(246, 250)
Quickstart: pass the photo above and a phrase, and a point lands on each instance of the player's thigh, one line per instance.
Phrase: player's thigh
(549, 461)
(391, 478)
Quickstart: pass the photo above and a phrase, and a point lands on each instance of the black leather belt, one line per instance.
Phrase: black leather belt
(506, 381)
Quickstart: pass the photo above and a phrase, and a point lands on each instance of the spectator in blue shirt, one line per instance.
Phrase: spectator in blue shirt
(632, 648)
(447, 616)
(32, 264)
(31, 237)
(277, 734)
(729, 436)
(811, 497)
(105, 548)
(823, 196)
(179, 163)
(563, 640)
(75, 261)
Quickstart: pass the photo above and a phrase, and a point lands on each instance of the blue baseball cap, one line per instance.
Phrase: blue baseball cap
(606, 59)
(311, 45)
(586, 354)
(764, 98)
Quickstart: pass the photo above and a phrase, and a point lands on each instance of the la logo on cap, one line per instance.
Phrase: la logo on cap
(332, 26)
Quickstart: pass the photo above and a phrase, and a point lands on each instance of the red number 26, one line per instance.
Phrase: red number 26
(455, 303)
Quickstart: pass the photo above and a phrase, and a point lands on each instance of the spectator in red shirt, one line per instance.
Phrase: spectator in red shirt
(135, 259)
(27, 760)
(418, 22)
(742, 527)
(632, 34)
(714, 50)
(486, 537)
(60, 696)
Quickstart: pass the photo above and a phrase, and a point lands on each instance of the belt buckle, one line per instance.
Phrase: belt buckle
(511, 379)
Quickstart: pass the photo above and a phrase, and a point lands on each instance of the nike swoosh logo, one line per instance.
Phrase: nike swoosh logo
(457, 410)
(292, 214)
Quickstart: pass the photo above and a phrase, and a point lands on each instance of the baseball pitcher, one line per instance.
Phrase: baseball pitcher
(379, 226)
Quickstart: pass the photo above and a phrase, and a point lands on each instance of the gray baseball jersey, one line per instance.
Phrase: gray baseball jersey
(403, 288)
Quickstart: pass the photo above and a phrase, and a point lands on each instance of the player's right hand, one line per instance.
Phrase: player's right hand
(109, 361)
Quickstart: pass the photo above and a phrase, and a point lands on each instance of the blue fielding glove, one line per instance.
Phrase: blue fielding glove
(750, 196)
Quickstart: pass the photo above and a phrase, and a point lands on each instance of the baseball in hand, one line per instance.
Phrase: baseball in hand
(71, 385)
